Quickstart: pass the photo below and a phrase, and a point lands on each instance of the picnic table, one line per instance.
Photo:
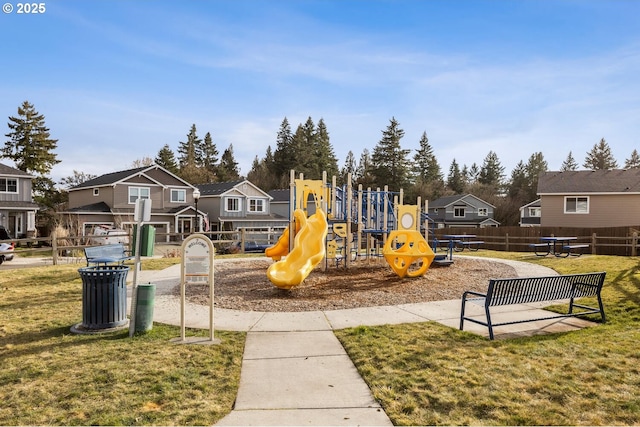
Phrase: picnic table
(557, 245)
(458, 242)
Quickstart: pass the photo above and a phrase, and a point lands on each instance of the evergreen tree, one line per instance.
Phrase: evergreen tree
(364, 172)
(632, 162)
(600, 157)
(519, 184)
(491, 172)
(31, 148)
(391, 165)
(228, 168)
(189, 164)
(305, 149)
(348, 168)
(426, 167)
(284, 156)
(325, 156)
(535, 166)
(209, 158)
(261, 173)
(569, 164)
(473, 173)
(455, 180)
(167, 159)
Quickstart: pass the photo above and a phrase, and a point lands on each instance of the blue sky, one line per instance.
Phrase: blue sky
(116, 80)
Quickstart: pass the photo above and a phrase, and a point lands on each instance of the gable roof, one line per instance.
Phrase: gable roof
(9, 171)
(443, 202)
(598, 181)
(119, 176)
(215, 189)
(535, 204)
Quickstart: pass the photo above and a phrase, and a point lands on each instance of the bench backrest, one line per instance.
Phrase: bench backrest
(105, 251)
(534, 289)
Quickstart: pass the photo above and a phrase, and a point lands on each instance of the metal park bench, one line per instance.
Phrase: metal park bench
(107, 254)
(524, 290)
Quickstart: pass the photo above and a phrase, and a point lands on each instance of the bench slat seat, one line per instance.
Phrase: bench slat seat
(524, 290)
(107, 254)
(568, 250)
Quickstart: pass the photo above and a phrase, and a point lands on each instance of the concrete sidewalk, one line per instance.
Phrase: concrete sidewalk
(296, 372)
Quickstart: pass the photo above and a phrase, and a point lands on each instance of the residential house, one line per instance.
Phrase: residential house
(240, 205)
(17, 209)
(462, 210)
(110, 200)
(530, 214)
(601, 198)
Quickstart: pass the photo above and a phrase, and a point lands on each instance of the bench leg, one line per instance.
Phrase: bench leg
(489, 325)
(464, 301)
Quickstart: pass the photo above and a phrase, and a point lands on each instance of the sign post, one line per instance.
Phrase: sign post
(196, 269)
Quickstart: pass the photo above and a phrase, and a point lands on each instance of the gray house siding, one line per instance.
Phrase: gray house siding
(17, 209)
(614, 210)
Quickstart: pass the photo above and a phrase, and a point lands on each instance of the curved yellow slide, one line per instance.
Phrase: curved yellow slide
(307, 253)
(281, 248)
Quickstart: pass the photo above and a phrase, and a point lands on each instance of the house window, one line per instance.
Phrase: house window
(534, 212)
(178, 196)
(233, 204)
(96, 191)
(256, 205)
(458, 211)
(576, 205)
(8, 185)
(136, 193)
(483, 212)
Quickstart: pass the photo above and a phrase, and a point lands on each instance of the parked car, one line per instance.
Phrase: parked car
(249, 246)
(109, 236)
(6, 248)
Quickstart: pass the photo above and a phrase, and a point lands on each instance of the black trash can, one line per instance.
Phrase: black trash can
(104, 297)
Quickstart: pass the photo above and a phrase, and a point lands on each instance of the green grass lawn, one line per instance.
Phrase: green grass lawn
(422, 374)
(429, 374)
(50, 376)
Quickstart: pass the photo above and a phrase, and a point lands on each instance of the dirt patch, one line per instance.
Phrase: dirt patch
(243, 285)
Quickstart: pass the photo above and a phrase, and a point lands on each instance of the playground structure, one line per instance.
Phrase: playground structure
(344, 228)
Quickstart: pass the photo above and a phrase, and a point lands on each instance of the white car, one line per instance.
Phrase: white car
(6, 248)
(109, 236)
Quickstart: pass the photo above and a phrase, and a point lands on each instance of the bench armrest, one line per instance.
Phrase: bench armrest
(477, 294)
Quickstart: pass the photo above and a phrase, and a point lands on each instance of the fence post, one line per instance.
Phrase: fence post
(506, 242)
(54, 247)
(594, 239)
(634, 243)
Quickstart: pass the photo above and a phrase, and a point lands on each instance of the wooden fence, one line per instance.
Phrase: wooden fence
(621, 241)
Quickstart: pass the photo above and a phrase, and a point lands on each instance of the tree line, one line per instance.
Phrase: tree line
(308, 150)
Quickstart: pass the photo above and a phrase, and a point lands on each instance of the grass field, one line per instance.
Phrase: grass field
(428, 374)
(52, 377)
(422, 374)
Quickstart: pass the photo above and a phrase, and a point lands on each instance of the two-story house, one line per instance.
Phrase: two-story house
(110, 200)
(530, 214)
(462, 210)
(17, 209)
(600, 198)
(240, 205)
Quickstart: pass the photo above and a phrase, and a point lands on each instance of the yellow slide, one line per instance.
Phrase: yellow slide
(281, 248)
(307, 253)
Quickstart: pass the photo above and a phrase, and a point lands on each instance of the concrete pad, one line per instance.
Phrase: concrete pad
(308, 417)
(371, 316)
(303, 382)
(234, 320)
(435, 310)
(296, 321)
(270, 345)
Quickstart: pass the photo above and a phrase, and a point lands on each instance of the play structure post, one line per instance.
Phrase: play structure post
(333, 196)
(349, 238)
(359, 221)
(385, 211)
(292, 207)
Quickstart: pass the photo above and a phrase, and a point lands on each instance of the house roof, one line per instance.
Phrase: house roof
(94, 207)
(115, 177)
(281, 195)
(216, 189)
(598, 181)
(535, 204)
(8, 170)
(443, 202)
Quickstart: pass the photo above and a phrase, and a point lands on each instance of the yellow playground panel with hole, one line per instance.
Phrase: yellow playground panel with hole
(406, 250)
